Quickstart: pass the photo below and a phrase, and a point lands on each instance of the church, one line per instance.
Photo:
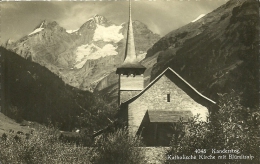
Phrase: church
(152, 111)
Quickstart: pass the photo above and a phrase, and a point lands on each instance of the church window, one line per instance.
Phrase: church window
(168, 97)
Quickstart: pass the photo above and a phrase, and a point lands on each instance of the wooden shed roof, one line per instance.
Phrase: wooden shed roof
(168, 116)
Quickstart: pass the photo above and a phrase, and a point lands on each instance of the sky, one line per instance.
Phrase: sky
(19, 18)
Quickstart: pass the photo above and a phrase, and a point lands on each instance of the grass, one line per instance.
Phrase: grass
(43, 146)
(7, 124)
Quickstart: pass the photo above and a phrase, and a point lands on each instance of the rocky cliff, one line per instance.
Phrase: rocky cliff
(84, 56)
(217, 53)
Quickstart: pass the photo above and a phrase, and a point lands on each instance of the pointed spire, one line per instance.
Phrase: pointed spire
(130, 61)
(130, 55)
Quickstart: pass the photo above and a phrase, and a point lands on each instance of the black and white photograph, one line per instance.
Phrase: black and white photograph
(129, 82)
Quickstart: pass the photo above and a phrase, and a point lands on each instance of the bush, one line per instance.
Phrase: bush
(15, 113)
(42, 147)
(231, 127)
(118, 148)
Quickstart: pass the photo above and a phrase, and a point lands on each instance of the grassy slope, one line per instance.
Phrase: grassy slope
(41, 96)
(7, 124)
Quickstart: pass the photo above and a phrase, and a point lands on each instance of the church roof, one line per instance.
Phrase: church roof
(130, 60)
(168, 116)
(180, 79)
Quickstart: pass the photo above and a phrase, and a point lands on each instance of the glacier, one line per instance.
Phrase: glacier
(88, 52)
(71, 31)
(108, 34)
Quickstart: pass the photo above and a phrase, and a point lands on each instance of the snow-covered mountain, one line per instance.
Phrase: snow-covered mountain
(82, 57)
(37, 29)
(200, 16)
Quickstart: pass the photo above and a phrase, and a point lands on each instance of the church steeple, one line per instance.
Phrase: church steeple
(130, 59)
(131, 71)
(130, 55)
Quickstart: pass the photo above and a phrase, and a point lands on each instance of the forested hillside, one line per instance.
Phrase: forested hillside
(32, 92)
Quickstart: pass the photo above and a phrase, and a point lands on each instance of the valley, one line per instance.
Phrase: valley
(64, 85)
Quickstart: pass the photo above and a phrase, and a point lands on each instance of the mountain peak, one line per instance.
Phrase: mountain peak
(51, 24)
(94, 21)
(46, 24)
(97, 15)
(99, 19)
(8, 42)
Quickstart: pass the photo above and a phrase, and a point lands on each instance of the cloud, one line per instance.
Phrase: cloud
(5, 5)
(20, 18)
(75, 14)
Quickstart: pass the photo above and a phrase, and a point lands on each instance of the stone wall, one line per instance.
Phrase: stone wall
(126, 95)
(130, 86)
(155, 98)
(131, 82)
